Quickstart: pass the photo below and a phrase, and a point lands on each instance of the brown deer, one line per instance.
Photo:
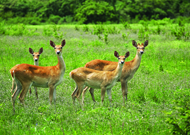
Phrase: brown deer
(103, 80)
(36, 56)
(26, 75)
(128, 71)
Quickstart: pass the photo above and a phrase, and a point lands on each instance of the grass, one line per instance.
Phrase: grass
(164, 70)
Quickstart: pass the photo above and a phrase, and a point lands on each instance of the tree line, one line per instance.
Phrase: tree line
(91, 11)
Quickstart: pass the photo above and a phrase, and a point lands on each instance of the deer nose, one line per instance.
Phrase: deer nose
(36, 59)
(141, 52)
(58, 52)
(122, 62)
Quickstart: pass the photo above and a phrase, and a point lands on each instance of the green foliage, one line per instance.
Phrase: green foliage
(2, 29)
(95, 12)
(125, 36)
(92, 11)
(53, 30)
(106, 38)
(54, 18)
(85, 28)
(126, 25)
(76, 27)
(142, 34)
(112, 30)
(47, 31)
(98, 29)
(179, 117)
(18, 30)
(180, 32)
(158, 29)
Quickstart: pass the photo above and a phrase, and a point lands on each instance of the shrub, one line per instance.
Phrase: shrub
(180, 32)
(112, 30)
(76, 27)
(98, 29)
(127, 25)
(54, 18)
(85, 28)
(142, 34)
(2, 29)
(106, 38)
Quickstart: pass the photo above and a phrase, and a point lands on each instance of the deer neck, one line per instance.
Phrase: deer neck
(118, 71)
(36, 63)
(61, 63)
(136, 61)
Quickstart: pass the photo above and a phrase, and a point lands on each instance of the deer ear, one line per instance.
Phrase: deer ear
(116, 54)
(52, 43)
(145, 43)
(31, 51)
(134, 43)
(127, 54)
(63, 43)
(41, 50)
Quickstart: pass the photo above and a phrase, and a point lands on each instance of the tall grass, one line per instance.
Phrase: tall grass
(164, 70)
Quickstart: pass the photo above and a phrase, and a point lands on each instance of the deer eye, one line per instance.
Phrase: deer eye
(38, 55)
(32, 54)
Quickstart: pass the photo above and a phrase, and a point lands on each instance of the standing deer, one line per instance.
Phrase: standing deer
(26, 75)
(103, 80)
(36, 56)
(128, 71)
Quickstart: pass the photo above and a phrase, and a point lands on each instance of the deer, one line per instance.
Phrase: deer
(128, 71)
(36, 56)
(103, 80)
(26, 75)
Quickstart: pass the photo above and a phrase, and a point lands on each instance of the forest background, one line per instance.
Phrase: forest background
(37, 12)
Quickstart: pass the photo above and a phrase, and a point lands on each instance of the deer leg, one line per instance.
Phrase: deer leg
(51, 92)
(36, 92)
(30, 91)
(109, 95)
(54, 95)
(15, 94)
(13, 86)
(124, 90)
(25, 87)
(92, 94)
(73, 94)
(103, 90)
(83, 94)
(79, 91)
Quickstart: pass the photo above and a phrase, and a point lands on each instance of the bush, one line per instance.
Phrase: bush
(180, 32)
(98, 29)
(85, 28)
(54, 18)
(2, 29)
(126, 25)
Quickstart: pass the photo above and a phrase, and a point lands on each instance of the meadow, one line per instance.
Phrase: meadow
(158, 94)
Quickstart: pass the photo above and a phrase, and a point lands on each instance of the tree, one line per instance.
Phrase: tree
(94, 12)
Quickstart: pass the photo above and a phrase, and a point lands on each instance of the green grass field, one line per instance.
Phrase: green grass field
(162, 78)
